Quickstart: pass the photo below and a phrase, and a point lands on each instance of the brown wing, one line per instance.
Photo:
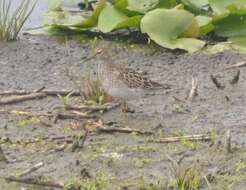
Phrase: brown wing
(134, 79)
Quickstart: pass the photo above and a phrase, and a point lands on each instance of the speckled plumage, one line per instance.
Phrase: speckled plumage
(123, 82)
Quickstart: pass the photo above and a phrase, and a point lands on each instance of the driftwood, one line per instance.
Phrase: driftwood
(239, 64)
(32, 169)
(61, 115)
(16, 99)
(47, 92)
(100, 127)
(34, 181)
(122, 130)
(186, 137)
(93, 108)
(25, 113)
(194, 87)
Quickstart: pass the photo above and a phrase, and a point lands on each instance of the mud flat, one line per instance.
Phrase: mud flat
(125, 160)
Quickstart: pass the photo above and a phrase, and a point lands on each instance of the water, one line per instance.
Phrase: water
(36, 18)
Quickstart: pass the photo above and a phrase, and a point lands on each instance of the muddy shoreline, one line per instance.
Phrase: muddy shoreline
(123, 159)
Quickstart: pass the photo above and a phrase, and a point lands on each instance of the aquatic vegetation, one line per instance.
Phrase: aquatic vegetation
(170, 23)
(11, 22)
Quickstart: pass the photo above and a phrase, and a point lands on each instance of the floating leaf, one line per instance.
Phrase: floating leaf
(167, 3)
(141, 6)
(239, 43)
(205, 24)
(232, 24)
(172, 34)
(111, 18)
(196, 5)
(220, 6)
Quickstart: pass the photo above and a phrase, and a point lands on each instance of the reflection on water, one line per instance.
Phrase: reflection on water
(36, 18)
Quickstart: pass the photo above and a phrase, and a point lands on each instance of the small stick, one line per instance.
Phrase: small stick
(99, 126)
(2, 156)
(216, 82)
(33, 181)
(122, 130)
(25, 113)
(16, 99)
(105, 107)
(32, 169)
(235, 78)
(194, 87)
(74, 115)
(187, 137)
(239, 64)
(228, 141)
(47, 92)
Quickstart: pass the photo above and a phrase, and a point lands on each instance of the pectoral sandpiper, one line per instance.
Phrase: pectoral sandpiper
(123, 82)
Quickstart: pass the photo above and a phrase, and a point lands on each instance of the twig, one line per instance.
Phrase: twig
(194, 87)
(79, 143)
(239, 64)
(25, 113)
(216, 82)
(33, 181)
(122, 130)
(74, 115)
(187, 137)
(228, 141)
(47, 92)
(2, 156)
(208, 184)
(32, 169)
(93, 108)
(16, 99)
(235, 78)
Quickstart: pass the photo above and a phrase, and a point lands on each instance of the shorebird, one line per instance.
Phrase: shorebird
(122, 82)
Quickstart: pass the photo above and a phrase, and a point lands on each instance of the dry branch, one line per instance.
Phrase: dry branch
(194, 87)
(93, 108)
(216, 82)
(32, 169)
(25, 113)
(122, 130)
(47, 92)
(16, 99)
(228, 141)
(33, 181)
(236, 65)
(186, 137)
(74, 115)
(99, 126)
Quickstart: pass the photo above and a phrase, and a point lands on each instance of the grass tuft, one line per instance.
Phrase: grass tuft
(185, 178)
(93, 92)
(12, 21)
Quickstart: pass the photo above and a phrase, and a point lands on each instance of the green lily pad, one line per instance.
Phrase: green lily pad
(232, 24)
(170, 28)
(205, 24)
(141, 6)
(111, 18)
(220, 6)
(196, 5)
(239, 43)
